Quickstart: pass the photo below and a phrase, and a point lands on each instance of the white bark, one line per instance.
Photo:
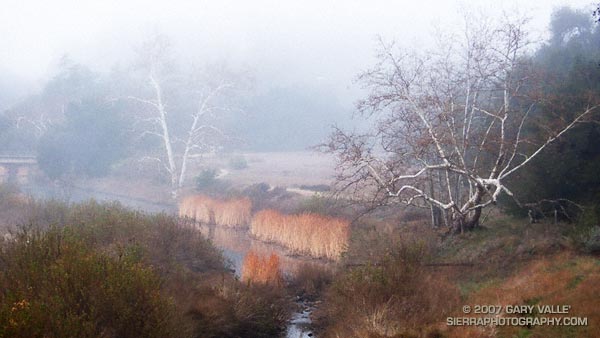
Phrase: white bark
(201, 134)
(454, 113)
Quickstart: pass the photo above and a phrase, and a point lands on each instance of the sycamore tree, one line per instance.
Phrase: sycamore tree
(183, 109)
(450, 123)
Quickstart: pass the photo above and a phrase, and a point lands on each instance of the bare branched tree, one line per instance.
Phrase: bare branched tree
(450, 124)
(181, 111)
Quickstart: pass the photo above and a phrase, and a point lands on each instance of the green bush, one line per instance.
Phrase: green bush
(101, 270)
(54, 285)
(238, 162)
(206, 179)
(164, 242)
(591, 242)
(316, 204)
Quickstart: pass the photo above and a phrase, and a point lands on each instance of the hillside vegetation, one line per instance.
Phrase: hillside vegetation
(405, 281)
(101, 270)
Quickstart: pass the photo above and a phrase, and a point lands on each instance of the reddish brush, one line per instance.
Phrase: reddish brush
(262, 269)
(564, 279)
(312, 234)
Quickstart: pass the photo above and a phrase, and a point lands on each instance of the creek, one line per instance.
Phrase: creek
(235, 243)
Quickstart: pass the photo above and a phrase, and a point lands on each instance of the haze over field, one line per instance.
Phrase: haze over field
(302, 55)
(270, 169)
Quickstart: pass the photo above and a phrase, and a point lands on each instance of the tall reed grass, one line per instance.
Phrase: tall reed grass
(308, 233)
(233, 212)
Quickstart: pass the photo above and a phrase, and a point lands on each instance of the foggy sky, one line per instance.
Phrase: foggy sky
(323, 43)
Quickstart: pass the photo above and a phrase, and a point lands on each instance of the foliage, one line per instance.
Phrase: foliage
(310, 281)
(591, 243)
(91, 139)
(232, 310)
(316, 187)
(103, 270)
(568, 69)
(264, 196)
(54, 285)
(238, 162)
(206, 179)
(317, 204)
(25, 124)
(395, 298)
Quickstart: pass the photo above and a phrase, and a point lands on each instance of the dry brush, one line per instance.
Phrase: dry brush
(265, 269)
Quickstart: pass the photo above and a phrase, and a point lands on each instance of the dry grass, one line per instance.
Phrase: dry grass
(311, 234)
(310, 280)
(398, 297)
(262, 269)
(554, 280)
(233, 213)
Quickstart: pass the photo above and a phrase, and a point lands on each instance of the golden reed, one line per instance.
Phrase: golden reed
(312, 234)
(233, 213)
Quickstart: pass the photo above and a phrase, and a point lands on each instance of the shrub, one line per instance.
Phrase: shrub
(316, 187)
(232, 310)
(310, 280)
(395, 298)
(592, 242)
(206, 179)
(13, 205)
(263, 196)
(238, 162)
(55, 286)
(316, 204)
(101, 270)
(162, 241)
(262, 269)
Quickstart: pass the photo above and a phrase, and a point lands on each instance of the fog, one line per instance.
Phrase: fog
(255, 168)
(292, 41)
(306, 49)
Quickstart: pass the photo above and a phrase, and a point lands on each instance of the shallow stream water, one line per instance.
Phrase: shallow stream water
(236, 243)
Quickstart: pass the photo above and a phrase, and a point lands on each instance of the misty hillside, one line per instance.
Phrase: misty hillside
(300, 169)
(292, 118)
